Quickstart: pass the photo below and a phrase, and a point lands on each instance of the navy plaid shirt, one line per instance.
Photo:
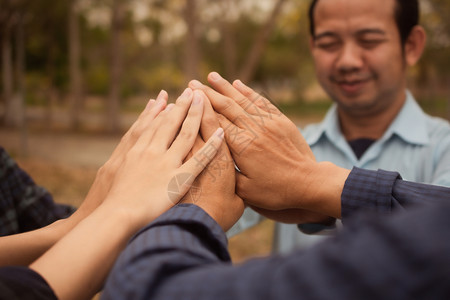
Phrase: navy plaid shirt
(388, 253)
(24, 206)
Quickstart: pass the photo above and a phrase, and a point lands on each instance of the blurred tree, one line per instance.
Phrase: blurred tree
(192, 49)
(163, 43)
(259, 44)
(74, 65)
(113, 107)
(12, 19)
(431, 77)
(6, 25)
(227, 27)
(47, 54)
(287, 59)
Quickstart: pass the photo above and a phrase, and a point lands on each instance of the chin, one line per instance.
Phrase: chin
(357, 106)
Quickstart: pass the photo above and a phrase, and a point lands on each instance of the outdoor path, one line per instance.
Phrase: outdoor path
(71, 148)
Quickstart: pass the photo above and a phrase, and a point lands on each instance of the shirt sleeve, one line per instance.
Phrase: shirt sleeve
(25, 206)
(18, 283)
(384, 192)
(182, 255)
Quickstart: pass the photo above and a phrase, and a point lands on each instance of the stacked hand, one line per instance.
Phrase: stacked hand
(132, 189)
(278, 175)
(153, 171)
(106, 174)
(214, 189)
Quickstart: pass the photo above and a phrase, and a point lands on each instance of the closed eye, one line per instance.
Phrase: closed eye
(371, 43)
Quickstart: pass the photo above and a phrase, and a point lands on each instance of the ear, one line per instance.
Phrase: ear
(415, 45)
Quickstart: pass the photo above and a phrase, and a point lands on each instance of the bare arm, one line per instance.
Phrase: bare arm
(138, 195)
(24, 248)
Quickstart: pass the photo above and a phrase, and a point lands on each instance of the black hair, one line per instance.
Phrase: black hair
(406, 17)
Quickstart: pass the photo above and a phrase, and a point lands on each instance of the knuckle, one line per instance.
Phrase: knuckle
(243, 101)
(186, 135)
(107, 170)
(227, 103)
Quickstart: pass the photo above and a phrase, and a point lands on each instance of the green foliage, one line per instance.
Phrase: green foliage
(97, 79)
(436, 106)
(149, 67)
(47, 40)
(301, 109)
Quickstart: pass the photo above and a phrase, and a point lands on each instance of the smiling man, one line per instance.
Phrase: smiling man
(361, 57)
(362, 51)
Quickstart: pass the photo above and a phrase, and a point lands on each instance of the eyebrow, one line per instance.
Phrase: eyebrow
(360, 32)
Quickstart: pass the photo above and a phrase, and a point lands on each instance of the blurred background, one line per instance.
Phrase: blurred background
(75, 75)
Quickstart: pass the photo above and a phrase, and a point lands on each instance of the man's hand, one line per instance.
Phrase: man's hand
(278, 169)
(214, 188)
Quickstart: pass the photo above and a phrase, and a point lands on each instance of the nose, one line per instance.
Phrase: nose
(349, 59)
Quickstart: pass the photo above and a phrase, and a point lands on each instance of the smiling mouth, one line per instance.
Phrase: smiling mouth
(352, 87)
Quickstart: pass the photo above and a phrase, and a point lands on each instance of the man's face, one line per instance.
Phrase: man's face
(358, 54)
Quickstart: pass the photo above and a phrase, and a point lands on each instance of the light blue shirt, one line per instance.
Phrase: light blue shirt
(415, 145)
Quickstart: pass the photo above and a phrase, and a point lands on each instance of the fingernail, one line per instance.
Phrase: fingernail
(239, 83)
(196, 84)
(160, 99)
(161, 94)
(186, 94)
(219, 132)
(215, 76)
(150, 103)
(197, 97)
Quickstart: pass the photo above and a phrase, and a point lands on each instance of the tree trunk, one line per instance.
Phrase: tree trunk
(74, 66)
(113, 123)
(254, 56)
(192, 52)
(51, 97)
(20, 79)
(229, 43)
(7, 75)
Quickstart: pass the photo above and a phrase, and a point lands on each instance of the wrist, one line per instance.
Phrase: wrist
(135, 215)
(127, 219)
(324, 188)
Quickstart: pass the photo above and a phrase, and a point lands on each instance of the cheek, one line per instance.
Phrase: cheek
(387, 63)
(323, 65)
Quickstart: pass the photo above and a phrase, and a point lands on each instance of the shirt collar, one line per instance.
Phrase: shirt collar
(329, 127)
(409, 125)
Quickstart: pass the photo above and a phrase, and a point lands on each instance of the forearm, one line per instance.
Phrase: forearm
(22, 249)
(85, 255)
